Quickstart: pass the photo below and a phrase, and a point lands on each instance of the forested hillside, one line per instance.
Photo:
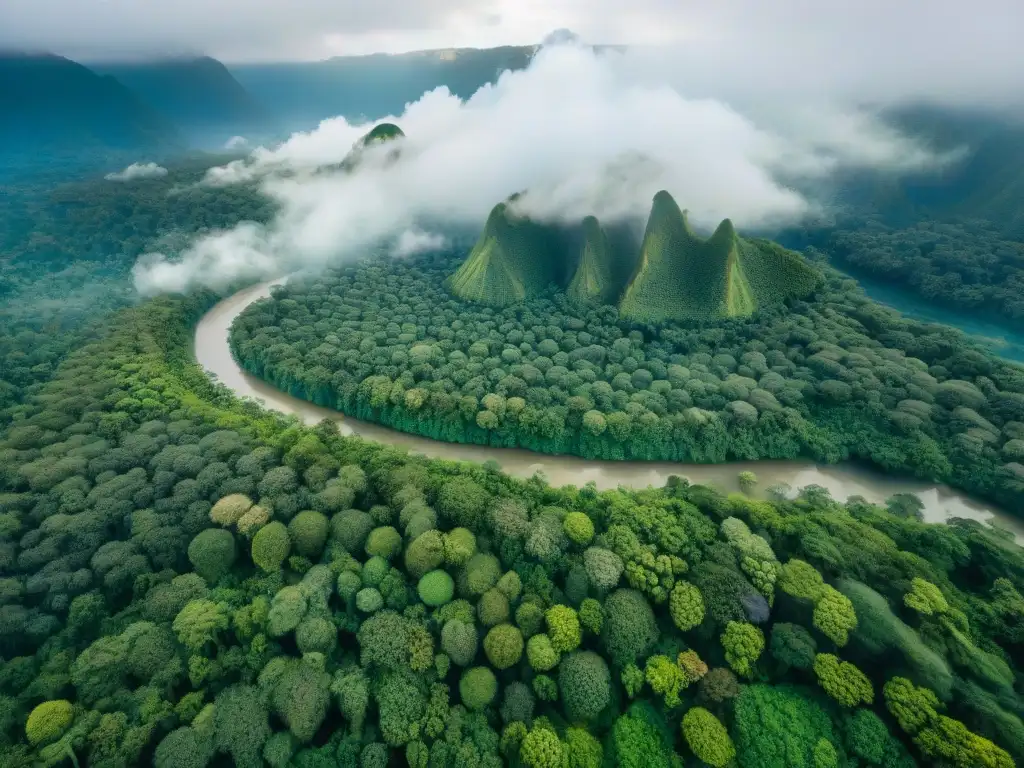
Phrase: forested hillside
(960, 263)
(953, 236)
(56, 111)
(189, 581)
(66, 251)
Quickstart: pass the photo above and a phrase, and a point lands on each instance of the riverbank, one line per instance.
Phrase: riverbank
(940, 502)
(997, 338)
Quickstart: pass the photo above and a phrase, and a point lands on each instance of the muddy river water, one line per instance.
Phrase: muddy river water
(842, 480)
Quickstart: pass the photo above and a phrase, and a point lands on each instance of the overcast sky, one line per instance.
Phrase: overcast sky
(870, 39)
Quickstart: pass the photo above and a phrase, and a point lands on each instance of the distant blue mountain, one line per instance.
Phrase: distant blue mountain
(371, 87)
(54, 111)
(199, 95)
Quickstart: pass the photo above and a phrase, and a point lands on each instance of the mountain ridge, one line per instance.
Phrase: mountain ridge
(198, 94)
(58, 109)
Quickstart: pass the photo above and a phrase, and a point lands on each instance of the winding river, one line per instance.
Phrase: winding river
(844, 480)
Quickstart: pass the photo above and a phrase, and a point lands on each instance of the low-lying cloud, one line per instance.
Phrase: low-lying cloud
(236, 143)
(581, 133)
(137, 171)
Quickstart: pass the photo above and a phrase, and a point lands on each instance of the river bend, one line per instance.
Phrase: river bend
(844, 480)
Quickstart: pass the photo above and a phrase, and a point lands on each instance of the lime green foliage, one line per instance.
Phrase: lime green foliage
(584, 683)
(707, 738)
(106, 476)
(542, 656)
(686, 606)
(384, 542)
(665, 678)
(254, 519)
(513, 260)
(912, 706)
(48, 721)
(212, 553)
(801, 580)
(401, 703)
(308, 531)
(542, 749)
(477, 687)
(271, 546)
(843, 681)
(679, 276)
(925, 598)
(939, 737)
(824, 755)
(834, 616)
(503, 646)
(459, 546)
(563, 628)
(743, 644)
(200, 622)
(578, 527)
(591, 616)
(594, 277)
(512, 738)
(747, 481)
(583, 750)
(436, 588)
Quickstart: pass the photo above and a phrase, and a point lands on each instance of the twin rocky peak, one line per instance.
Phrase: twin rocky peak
(676, 275)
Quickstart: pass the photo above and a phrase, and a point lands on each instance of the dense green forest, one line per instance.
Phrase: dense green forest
(190, 580)
(66, 251)
(831, 377)
(963, 263)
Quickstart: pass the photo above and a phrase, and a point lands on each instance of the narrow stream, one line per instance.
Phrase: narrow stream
(842, 481)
